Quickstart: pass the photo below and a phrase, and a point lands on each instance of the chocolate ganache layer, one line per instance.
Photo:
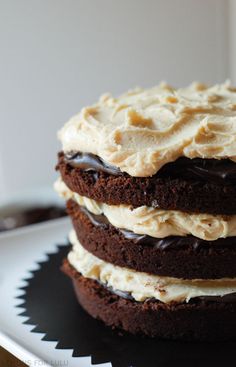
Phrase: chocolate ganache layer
(210, 170)
(228, 298)
(181, 257)
(198, 185)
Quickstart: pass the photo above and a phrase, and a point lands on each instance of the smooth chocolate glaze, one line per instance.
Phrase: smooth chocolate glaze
(91, 162)
(117, 292)
(163, 244)
(97, 219)
(214, 170)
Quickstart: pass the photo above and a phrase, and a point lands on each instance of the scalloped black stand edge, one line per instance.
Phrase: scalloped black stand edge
(50, 305)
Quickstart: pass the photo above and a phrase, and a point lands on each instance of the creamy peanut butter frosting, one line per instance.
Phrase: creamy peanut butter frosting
(156, 222)
(142, 285)
(142, 130)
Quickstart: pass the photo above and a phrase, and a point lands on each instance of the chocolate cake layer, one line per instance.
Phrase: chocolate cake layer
(161, 191)
(200, 319)
(181, 257)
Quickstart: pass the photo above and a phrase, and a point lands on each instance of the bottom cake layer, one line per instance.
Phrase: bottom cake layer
(203, 318)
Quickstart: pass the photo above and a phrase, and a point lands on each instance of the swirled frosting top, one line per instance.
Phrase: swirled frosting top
(144, 129)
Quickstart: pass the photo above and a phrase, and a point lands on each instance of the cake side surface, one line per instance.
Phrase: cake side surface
(150, 184)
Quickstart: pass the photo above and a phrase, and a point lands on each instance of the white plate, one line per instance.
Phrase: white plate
(20, 250)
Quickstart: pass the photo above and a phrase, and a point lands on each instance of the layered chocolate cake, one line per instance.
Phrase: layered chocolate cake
(150, 184)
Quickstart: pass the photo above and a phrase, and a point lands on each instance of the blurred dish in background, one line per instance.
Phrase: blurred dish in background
(33, 215)
(30, 207)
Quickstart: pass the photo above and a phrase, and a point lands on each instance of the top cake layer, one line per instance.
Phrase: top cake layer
(142, 130)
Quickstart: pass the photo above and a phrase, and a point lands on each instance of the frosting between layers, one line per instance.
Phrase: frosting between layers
(142, 286)
(156, 222)
(142, 130)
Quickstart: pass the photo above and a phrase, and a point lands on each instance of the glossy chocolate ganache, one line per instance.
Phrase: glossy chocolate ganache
(228, 298)
(213, 170)
(161, 243)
